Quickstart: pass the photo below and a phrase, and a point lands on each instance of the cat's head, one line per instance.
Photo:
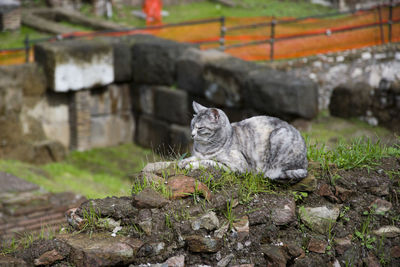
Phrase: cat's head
(208, 124)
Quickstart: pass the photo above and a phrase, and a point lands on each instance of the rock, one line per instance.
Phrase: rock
(221, 231)
(395, 252)
(319, 219)
(148, 199)
(48, 258)
(225, 81)
(172, 105)
(371, 260)
(342, 244)
(285, 213)
(122, 58)
(316, 245)
(157, 167)
(74, 219)
(325, 191)
(190, 69)
(208, 221)
(75, 64)
(275, 255)
(182, 186)
(381, 190)
(154, 61)
(108, 223)
(294, 251)
(48, 151)
(181, 140)
(150, 178)
(176, 261)
(348, 101)
(100, 249)
(203, 244)
(158, 247)
(225, 261)
(308, 184)
(242, 228)
(281, 94)
(380, 206)
(10, 184)
(118, 208)
(146, 226)
(342, 193)
(9, 261)
(388, 231)
(153, 133)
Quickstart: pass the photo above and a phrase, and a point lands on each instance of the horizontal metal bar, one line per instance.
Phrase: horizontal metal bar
(265, 24)
(277, 39)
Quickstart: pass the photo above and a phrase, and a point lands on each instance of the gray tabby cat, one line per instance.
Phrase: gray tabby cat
(258, 144)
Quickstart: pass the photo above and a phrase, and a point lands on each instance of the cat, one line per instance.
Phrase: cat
(259, 144)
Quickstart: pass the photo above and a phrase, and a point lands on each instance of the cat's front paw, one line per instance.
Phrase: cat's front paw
(185, 163)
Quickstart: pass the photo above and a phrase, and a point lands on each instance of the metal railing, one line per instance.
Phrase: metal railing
(272, 38)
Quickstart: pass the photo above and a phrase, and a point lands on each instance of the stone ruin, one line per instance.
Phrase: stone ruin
(108, 91)
(10, 15)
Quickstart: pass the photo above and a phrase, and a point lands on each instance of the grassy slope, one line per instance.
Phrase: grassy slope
(95, 173)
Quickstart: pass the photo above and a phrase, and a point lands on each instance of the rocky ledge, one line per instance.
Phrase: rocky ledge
(212, 218)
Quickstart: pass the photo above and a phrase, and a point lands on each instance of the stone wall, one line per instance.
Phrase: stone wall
(367, 65)
(108, 91)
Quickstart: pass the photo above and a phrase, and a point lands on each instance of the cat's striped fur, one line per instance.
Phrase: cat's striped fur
(258, 144)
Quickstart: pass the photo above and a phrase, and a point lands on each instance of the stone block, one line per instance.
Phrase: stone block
(171, 105)
(122, 58)
(76, 64)
(30, 78)
(190, 68)
(281, 94)
(111, 99)
(154, 60)
(111, 130)
(80, 120)
(52, 114)
(143, 98)
(152, 133)
(350, 101)
(225, 81)
(180, 139)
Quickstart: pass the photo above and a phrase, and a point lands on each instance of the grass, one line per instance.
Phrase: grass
(210, 9)
(95, 174)
(359, 153)
(15, 39)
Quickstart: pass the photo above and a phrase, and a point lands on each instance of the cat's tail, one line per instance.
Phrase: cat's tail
(296, 174)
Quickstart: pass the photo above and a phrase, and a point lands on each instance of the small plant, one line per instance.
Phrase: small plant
(364, 233)
(342, 214)
(229, 214)
(168, 222)
(91, 218)
(299, 196)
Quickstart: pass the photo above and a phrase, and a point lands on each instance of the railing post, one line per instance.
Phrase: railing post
(272, 40)
(390, 22)
(222, 34)
(380, 24)
(27, 48)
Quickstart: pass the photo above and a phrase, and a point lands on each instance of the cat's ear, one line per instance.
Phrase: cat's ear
(215, 114)
(197, 107)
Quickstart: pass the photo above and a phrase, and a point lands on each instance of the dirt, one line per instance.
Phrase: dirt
(276, 236)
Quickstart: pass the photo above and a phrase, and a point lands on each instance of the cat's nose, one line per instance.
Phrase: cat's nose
(193, 133)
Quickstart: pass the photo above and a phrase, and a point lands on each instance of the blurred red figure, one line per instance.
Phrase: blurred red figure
(152, 9)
